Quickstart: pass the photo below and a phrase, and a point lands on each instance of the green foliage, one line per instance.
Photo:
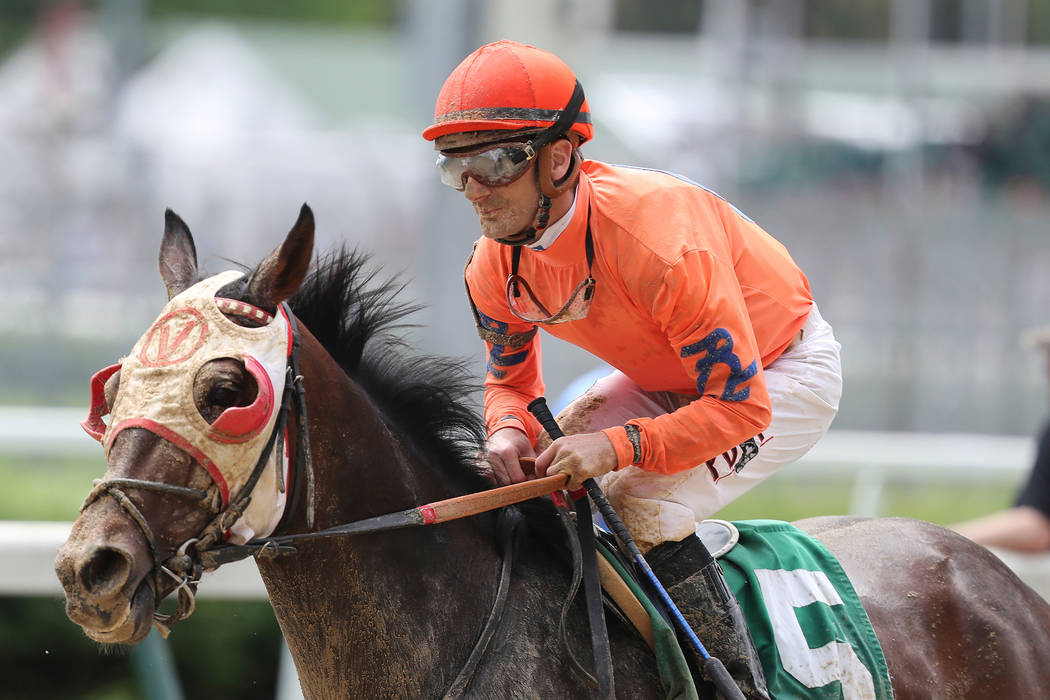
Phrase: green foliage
(351, 12)
(668, 16)
(20, 18)
(228, 650)
(51, 489)
(225, 650)
(46, 656)
(847, 19)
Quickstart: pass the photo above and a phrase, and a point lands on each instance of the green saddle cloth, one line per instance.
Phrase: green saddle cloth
(811, 632)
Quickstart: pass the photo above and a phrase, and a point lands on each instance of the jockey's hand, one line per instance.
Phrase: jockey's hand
(504, 451)
(582, 456)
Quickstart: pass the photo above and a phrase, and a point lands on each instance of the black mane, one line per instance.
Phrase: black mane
(354, 314)
(426, 399)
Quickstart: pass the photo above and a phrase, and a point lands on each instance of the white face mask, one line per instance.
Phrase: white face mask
(156, 393)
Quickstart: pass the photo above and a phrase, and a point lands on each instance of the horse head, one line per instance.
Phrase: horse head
(195, 438)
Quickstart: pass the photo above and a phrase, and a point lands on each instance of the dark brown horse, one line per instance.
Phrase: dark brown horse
(399, 613)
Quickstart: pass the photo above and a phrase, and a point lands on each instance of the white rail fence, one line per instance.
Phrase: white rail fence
(870, 459)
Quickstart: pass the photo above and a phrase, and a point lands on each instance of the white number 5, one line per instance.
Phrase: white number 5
(783, 591)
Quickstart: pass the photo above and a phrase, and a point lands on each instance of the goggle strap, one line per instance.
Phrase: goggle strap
(526, 152)
(565, 120)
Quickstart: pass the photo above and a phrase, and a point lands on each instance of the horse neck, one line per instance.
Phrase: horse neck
(362, 467)
(400, 599)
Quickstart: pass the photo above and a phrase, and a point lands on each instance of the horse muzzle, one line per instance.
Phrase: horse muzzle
(108, 592)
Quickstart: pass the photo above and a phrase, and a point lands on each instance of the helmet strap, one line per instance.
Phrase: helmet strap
(565, 120)
(539, 223)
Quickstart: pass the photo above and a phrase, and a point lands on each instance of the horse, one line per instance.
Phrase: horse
(399, 613)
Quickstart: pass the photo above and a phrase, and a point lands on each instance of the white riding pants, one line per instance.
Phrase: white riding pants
(804, 384)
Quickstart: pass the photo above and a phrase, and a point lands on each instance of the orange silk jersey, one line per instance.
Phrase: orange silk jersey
(692, 297)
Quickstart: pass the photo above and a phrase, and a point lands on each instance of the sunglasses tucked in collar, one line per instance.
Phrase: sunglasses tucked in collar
(528, 308)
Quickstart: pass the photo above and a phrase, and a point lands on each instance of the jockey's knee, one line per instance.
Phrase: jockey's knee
(644, 509)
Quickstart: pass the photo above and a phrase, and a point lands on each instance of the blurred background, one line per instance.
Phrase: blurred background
(899, 148)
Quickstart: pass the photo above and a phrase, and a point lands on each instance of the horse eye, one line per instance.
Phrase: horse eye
(223, 394)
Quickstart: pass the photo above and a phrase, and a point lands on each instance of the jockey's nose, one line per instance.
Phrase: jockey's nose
(474, 190)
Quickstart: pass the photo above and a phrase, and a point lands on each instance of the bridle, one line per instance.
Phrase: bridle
(185, 566)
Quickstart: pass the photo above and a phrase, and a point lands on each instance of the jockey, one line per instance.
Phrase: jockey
(724, 369)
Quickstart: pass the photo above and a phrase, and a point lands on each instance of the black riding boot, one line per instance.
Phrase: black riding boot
(695, 583)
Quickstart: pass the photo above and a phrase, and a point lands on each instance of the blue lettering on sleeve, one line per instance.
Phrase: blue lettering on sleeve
(492, 324)
(496, 357)
(717, 347)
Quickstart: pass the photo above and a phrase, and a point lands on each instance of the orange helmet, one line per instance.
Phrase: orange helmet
(508, 86)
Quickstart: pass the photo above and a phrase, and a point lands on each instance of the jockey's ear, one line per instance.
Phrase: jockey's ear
(178, 255)
(281, 273)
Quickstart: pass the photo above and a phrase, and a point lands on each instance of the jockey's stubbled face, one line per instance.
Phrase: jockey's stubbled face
(507, 209)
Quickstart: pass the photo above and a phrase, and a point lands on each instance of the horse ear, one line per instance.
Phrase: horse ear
(178, 255)
(281, 273)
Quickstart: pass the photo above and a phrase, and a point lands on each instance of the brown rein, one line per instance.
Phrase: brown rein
(429, 514)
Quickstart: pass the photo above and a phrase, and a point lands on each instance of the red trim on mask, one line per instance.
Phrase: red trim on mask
(241, 423)
(239, 308)
(93, 425)
(288, 327)
(180, 442)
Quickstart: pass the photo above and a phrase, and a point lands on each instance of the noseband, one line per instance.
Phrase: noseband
(185, 566)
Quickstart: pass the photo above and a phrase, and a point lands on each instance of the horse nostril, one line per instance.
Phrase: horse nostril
(106, 567)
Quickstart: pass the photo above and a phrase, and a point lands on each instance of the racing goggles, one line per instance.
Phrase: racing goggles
(493, 167)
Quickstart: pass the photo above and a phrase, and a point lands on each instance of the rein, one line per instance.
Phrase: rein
(508, 526)
(429, 514)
